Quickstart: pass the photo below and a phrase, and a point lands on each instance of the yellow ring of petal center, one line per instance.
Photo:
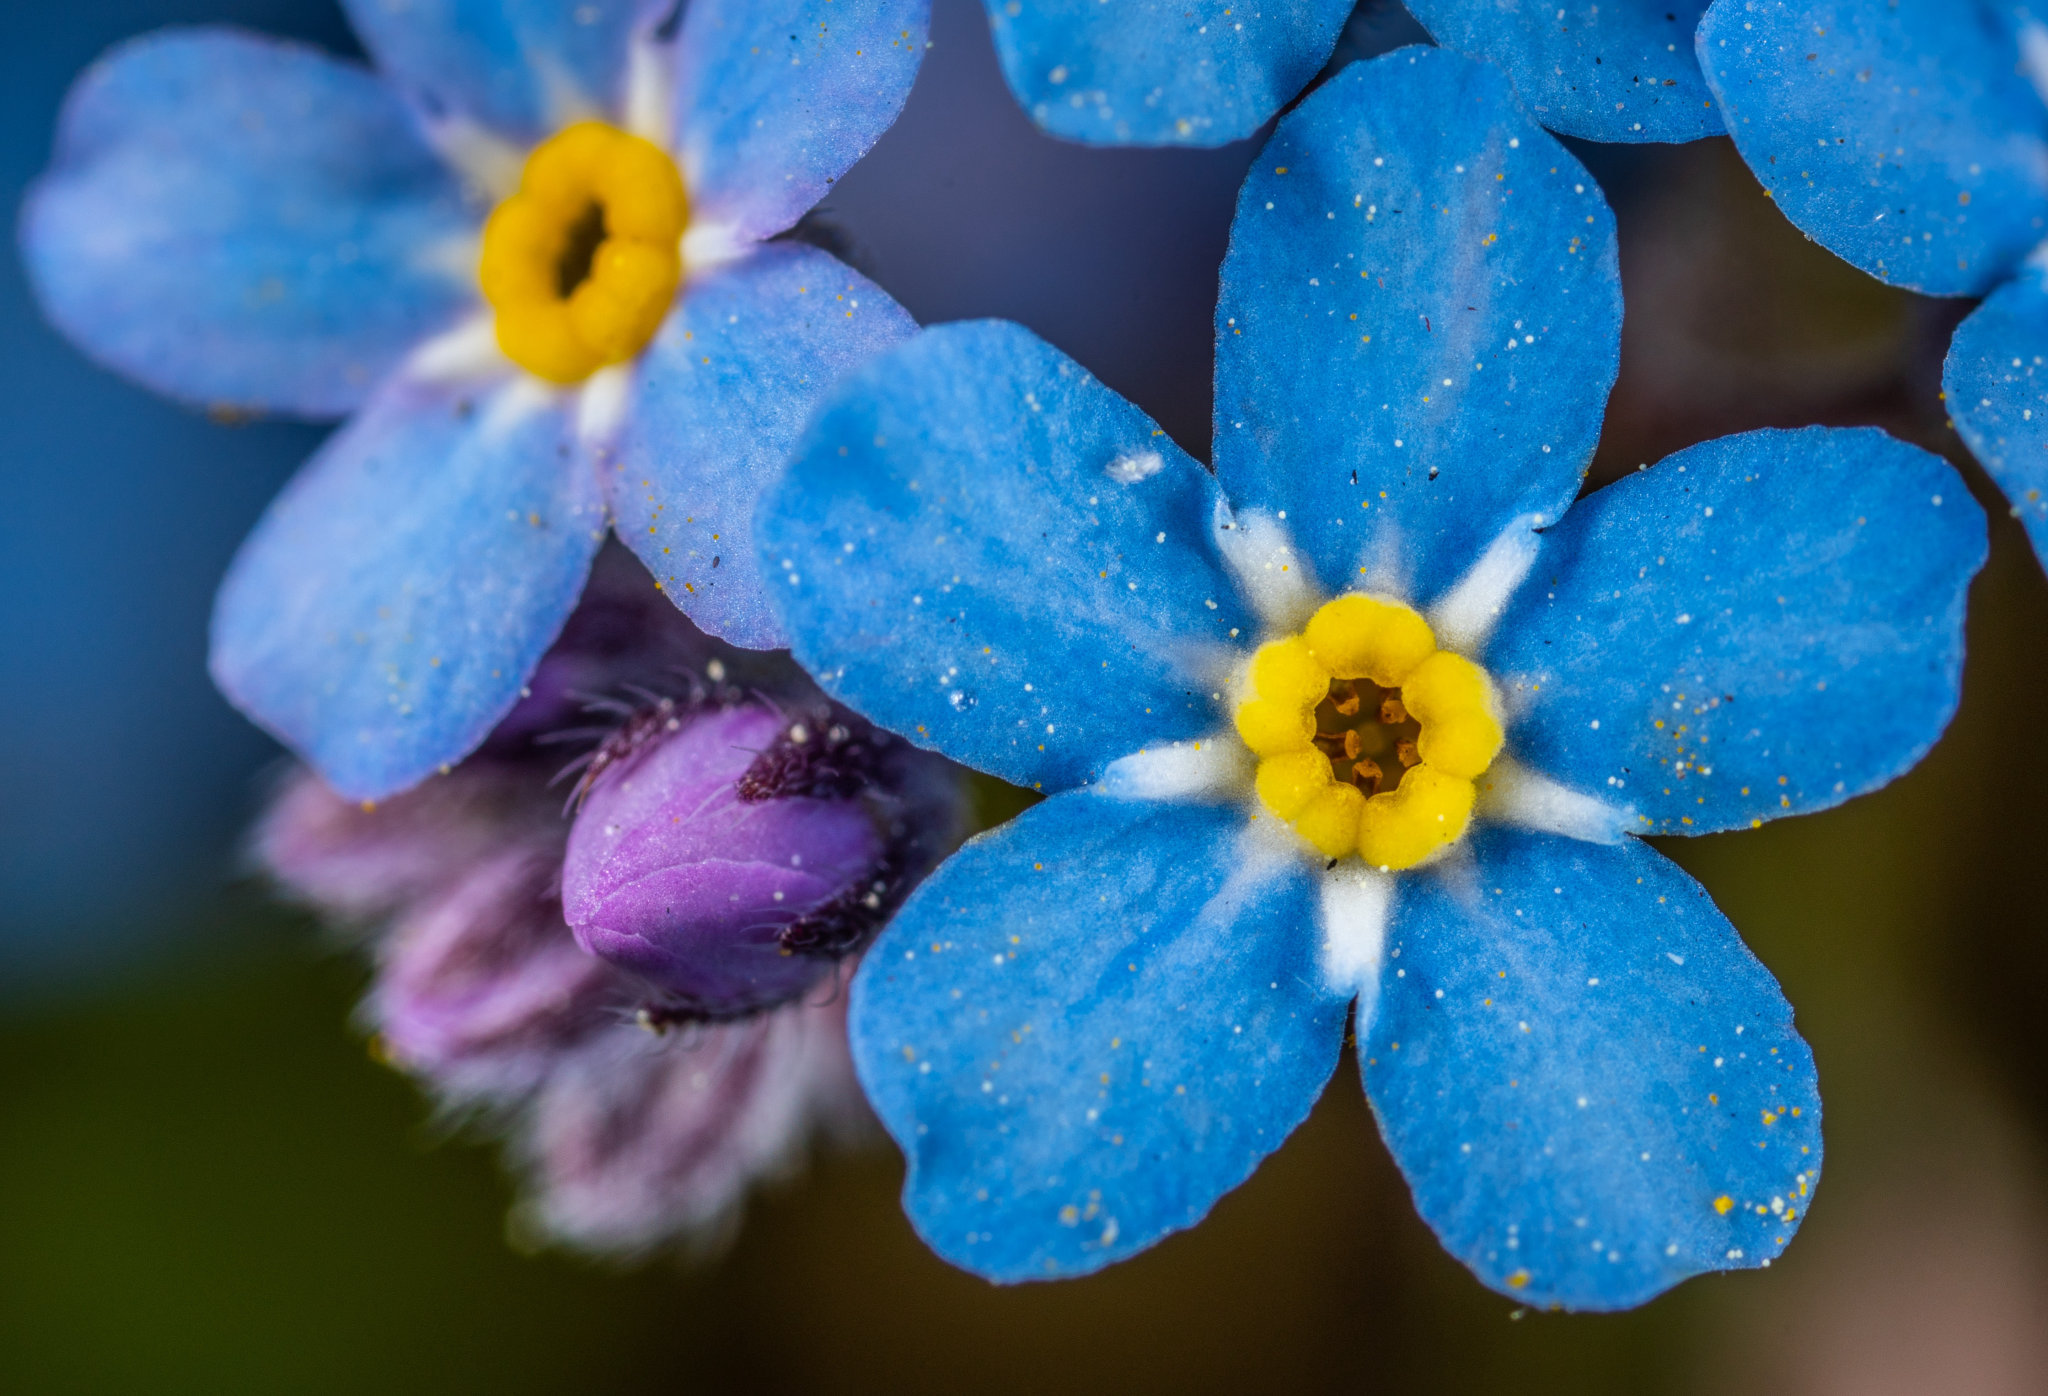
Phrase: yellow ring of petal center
(582, 263)
(1448, 701)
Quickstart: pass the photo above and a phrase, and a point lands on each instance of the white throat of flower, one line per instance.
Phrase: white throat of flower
(1236, 763)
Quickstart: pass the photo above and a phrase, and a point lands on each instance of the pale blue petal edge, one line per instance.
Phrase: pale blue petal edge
(242, 223)
(719, 400)
(521, 69)
(777, 98)
(390, 605)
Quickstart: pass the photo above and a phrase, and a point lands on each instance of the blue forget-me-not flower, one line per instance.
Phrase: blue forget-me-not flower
(530, 259)
(1911, 140)
(1369, 718)
(1165, 72)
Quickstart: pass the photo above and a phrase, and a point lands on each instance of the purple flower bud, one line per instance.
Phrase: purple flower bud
(731, 856)
(731, 845)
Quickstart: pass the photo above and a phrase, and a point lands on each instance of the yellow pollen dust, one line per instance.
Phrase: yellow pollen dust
(1368, 736)
(582, 263)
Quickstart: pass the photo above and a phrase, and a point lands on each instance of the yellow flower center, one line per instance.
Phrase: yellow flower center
(582, 263)
(1368, 736)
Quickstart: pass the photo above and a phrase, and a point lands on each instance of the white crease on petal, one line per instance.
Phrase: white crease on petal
(650, 105)
(1511, 793)
(1353, 916)
(509, 406)
(468, 352)
(602, 405)
(709, 246)
(455, 257)
(562, 94)
(1256, 859)
(2034, 55)
(1208, 770)
(1383, 564)
(1464, 616)
(488, 165)
(1274, 578)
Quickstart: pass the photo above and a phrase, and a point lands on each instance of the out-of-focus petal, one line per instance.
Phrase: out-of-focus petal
(981, 547)
(390, 605)
(1419, 323)
(481, 988)
(1618, 70)
(719, 400)
(775, 99)
(1160, 72)
(244, 223)
(650, 1139)
(1593, 1088)
(1905, 137)
(1998, 394)
(521, 69)
(1088, 1026)
(1763, 625)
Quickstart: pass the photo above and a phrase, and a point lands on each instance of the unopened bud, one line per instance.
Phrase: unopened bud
(733, 856)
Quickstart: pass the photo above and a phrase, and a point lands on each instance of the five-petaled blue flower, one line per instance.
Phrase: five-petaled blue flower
(1911, 140)
(1368, 717)
(1167, 72)
(250, 225)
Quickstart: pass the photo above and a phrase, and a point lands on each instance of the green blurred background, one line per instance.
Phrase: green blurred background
(207, 1185)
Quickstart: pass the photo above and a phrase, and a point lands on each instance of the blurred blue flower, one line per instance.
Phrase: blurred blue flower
(252, 226)
(1911, 140)
(1267, 806)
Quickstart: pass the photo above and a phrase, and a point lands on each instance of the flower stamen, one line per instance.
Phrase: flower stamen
(1369, 736)
(582, 263)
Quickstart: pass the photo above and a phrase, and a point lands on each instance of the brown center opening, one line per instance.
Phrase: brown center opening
(579, 251)
(1367, 734)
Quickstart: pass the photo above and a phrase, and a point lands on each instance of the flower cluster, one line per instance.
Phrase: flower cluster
(647, 997)
(1354, 735)
(1592, 1086)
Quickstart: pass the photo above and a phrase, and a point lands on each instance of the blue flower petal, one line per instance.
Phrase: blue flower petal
(389, 606)
(1619, 70)
(1597, 1091)
(243, 223)
(1160, 72)
(777, 99)
(1419, 322)
(1762, 625)
(719, 400)
(519, 68)
(983, 548)
(1088, 1026)
(1904, 138)
(1998, 394)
